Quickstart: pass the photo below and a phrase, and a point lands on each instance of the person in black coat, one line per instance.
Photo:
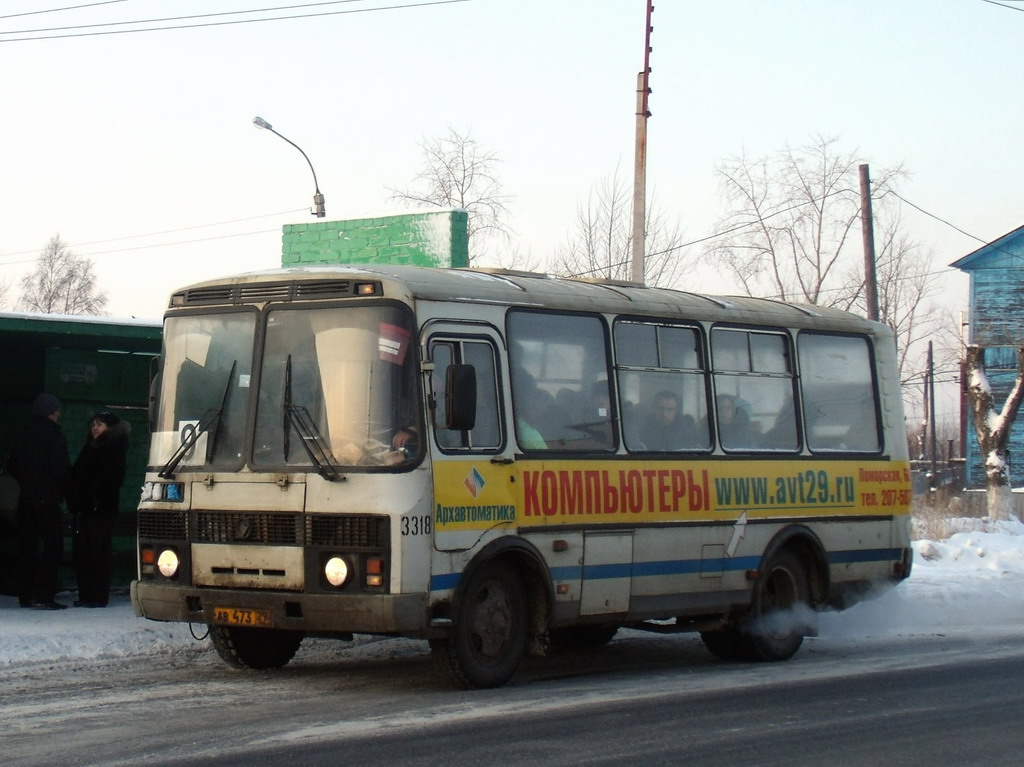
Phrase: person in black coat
(39, 462)
(94, 500)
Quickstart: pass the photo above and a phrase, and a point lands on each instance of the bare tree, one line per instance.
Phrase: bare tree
(906, 286)
(791, 234)
(601, 244)
(458, 172)
(516, 259)
(993, 428)
(4, 288)
(62, 283)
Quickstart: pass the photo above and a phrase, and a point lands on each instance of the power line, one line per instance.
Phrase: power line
(756, 222)
(937, 218)
(56, 10)
(1003, 5)
(156, 245)
(178, 18)
(237, 21)
(155, 234)
(813, 201)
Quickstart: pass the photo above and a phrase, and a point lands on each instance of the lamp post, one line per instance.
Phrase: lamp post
(318, 199)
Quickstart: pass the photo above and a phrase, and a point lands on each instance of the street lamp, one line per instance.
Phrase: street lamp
(318, 199)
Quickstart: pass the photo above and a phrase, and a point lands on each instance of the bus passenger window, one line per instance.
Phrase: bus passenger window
(838, 390)
(754, 390)
(559, 365)
(662, 386)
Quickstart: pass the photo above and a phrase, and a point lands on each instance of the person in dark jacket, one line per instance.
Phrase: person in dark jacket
(39, 462)
(94, 499)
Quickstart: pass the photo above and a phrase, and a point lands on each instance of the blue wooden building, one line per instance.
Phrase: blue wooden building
(996, 322)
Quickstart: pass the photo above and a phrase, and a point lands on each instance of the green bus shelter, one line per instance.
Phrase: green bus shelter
(91, 364)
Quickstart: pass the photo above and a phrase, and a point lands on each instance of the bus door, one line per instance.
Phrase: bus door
(470, 450)
(607, 572)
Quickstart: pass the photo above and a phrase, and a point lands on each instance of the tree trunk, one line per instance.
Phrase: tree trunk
(993, 429)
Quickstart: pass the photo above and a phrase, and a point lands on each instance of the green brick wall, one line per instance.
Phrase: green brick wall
(416, 239)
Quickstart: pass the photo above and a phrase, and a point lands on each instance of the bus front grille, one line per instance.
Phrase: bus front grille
(351, 531)
(163, 525)
(272, 529)
(266, 528)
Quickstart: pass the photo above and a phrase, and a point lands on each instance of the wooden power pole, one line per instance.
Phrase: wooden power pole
(643, 90)
(868, 230)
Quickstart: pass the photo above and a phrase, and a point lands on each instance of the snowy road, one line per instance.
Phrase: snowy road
(382, 703)
(936, 666)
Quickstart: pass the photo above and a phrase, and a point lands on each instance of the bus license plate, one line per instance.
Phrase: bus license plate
(237, 616)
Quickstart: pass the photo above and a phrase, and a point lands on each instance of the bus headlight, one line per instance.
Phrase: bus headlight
(336, 571)
(168, 563)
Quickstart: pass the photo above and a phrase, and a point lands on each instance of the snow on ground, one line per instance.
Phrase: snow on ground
(972, 582)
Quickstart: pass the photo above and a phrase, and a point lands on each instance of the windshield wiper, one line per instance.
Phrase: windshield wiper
(209, 422)
(312, 440)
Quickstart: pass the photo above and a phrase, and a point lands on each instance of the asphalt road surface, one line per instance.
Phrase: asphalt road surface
(641, 700)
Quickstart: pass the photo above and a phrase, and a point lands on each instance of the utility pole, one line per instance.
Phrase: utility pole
(867, 227)
(643, 90)
(931, 417)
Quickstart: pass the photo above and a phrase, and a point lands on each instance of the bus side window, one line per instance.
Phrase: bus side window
(838, 393)
(560, 391)
(754, 381)
(441, 355)
(486, 433)
(662, 387)
(478, 355)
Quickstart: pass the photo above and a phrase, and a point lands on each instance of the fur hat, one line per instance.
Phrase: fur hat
(106, 417)
(45, 405)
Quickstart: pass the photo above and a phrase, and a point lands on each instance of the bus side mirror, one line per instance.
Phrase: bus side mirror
(460, 397)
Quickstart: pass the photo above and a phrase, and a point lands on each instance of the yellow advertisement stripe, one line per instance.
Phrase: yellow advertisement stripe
(477, 495)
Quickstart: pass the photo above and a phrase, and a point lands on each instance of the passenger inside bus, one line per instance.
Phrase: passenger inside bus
(586, 418)
(531, 405)
(734, 427)
(782, 435)
(666, 427)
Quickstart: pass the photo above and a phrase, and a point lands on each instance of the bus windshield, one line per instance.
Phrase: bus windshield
(336, 385)
(206, 373)
(334, 388)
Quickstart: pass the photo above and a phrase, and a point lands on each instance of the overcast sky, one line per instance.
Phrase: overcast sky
(107, 137)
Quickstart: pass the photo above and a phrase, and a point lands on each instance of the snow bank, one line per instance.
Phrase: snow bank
(29, 637)
(972, 582)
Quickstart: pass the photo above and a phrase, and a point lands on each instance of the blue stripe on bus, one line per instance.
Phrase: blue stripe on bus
(678, 567)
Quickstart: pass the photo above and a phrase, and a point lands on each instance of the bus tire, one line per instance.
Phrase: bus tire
(583, 636)
(252, 648)
(727, 644)
(782, 610)
(779, 618)
(489, 632)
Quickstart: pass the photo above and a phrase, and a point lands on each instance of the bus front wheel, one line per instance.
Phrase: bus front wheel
(779, 618)
(252, 648)
(489, 632)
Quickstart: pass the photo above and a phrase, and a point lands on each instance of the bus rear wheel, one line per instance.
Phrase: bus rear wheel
(489, 632)
(252, 648)
(779, 618)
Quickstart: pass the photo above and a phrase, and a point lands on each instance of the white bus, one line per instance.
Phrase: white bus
(497, 462)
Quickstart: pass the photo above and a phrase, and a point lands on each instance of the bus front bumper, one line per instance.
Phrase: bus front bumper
(404, 614)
